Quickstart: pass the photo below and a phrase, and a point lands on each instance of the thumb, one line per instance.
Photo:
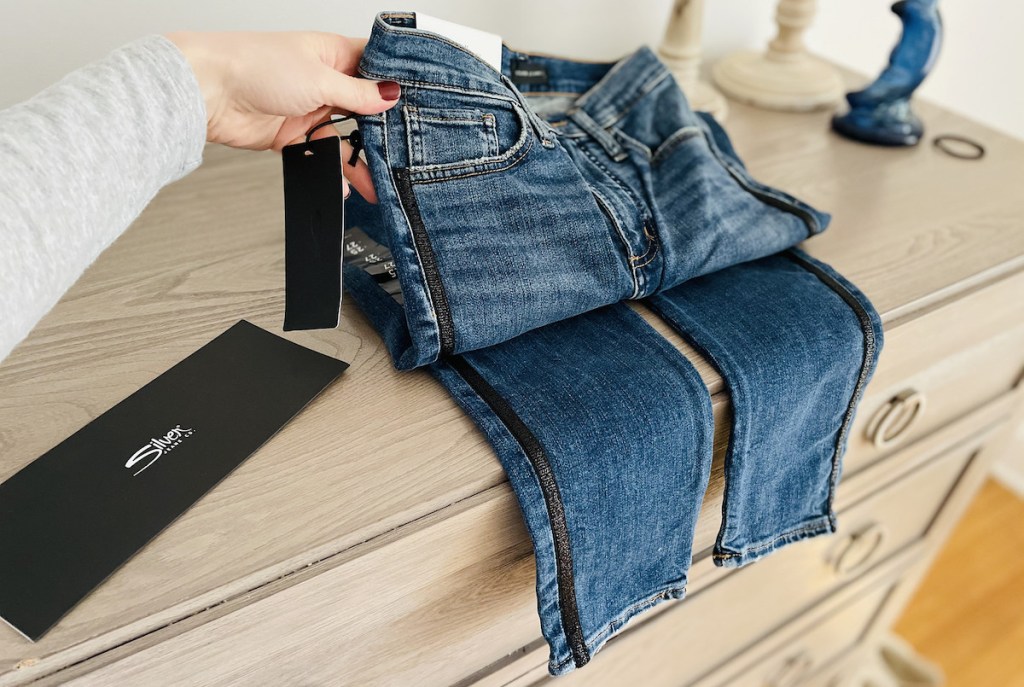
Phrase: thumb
(358, 95)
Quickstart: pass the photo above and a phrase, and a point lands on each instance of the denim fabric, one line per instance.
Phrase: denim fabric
(796, 344)
(606, 435)
(508, 208)
(611, 524)
(512, 223)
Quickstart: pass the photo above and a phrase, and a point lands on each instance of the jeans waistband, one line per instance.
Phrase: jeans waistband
(423, 58)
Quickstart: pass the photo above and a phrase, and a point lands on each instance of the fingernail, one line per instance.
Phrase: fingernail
(389, 90)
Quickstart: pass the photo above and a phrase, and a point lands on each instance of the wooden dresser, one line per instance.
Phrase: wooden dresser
(375, 539)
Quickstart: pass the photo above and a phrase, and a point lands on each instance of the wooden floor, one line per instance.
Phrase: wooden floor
(968, 616)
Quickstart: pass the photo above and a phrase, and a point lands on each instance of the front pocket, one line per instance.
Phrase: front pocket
(440, 136)
(496, 258)
(450, 135)
(674, 141)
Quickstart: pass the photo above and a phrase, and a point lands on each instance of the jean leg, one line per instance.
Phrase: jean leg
(796, 344)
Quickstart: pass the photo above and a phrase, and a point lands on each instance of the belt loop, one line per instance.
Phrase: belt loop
(600, 134)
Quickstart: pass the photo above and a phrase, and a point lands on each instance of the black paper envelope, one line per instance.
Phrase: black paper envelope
(71, 517)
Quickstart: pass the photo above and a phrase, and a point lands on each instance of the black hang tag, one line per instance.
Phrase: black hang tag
(527, 71)
(73, 516)
(314, 229)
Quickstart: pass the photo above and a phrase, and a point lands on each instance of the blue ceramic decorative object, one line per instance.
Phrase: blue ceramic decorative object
(881, 113)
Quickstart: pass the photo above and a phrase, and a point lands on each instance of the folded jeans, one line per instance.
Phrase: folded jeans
(606, 431)
(507, 208)
(512, 222)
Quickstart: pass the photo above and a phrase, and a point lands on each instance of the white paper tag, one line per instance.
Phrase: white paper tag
(485, 45)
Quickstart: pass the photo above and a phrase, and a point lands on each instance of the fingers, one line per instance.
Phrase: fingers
(358, 175)
(341, 52)
(357, 95)
(293, 129)
(331, 132)
(345, 53)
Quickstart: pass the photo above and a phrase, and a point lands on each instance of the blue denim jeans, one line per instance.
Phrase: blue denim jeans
(506, 237)
(606, 434)
(508, 208)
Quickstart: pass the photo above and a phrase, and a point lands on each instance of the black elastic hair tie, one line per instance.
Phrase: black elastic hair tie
(976, 150)
(354, 138)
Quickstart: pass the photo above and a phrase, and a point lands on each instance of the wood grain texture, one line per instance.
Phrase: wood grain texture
(980, 428)
(790, 656)
(956, 357)
(968, 615)
(718, 624)
(381, 449)
(475, 570)
(858, 505)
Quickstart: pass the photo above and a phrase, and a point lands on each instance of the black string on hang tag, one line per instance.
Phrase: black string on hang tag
(354, 138)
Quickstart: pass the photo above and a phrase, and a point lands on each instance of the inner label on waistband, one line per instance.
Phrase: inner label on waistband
(404, 20)
(483, 44)
(526, 71)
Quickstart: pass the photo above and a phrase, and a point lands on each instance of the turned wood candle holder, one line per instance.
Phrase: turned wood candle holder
(680, 50)
(786, 76)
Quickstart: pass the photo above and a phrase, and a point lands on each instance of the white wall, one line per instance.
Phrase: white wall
(979, 72)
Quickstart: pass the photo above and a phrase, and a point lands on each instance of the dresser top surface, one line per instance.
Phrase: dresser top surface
(911, 227)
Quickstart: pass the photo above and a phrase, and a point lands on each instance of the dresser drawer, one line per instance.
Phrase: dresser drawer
(939, 366)
(791, 662)
(691, 639)
(440, 607)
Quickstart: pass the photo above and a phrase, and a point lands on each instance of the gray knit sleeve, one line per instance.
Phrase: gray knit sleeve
(80, 161)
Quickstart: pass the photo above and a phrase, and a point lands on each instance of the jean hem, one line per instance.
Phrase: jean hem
(597, 640)
(735, 559)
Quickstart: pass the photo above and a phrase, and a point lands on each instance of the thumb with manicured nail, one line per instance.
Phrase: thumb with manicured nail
(359, 95)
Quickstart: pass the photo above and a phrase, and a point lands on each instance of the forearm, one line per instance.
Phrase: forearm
(80, 161)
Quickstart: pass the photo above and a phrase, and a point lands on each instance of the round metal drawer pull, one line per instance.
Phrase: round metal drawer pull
(892, 420)
(792, 671)
(858, 550)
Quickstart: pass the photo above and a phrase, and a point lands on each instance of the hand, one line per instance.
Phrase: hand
(266, 90)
